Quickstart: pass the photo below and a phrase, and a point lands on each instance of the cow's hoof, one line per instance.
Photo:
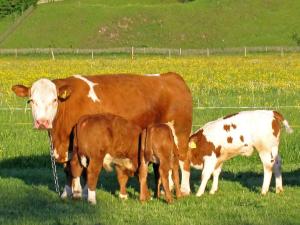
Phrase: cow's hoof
(169, 201)
(183, 194)
(77, 195)
(92, 201)
(279, 190)
(263, 193)
(123, 196)
(212, 192)
(66, 193)
(199, 194)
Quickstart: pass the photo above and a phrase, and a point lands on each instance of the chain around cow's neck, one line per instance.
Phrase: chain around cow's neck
(53, 164)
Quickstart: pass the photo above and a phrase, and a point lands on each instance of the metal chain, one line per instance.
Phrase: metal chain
(53, 164)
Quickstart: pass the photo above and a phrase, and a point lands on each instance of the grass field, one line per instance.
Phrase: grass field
(155, 23)
(26, 187)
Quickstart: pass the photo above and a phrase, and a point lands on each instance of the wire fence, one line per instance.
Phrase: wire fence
(294, 126)
(132, 51)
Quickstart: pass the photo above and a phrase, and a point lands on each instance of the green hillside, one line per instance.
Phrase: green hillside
(159, 23)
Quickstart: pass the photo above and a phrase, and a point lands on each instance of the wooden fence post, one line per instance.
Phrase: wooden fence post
(132, 52)
(52, 53)
(245, 53)
(92, 54)
(180, 51)
(207, 51)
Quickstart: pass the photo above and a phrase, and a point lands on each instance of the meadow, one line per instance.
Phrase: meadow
(229, 83)
(157, 23)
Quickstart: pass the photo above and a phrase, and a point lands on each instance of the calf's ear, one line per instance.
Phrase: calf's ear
(21, 90)
(64, 92)
(192, 144)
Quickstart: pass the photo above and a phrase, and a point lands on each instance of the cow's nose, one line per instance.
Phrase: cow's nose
(42, 124)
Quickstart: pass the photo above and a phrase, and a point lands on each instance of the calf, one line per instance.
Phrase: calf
(99, 141)
(238, 134)
(158, 147)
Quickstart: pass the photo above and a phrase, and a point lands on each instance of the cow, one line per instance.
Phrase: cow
(58, 104)
(159, 147)
(99, 141)
(238, 134)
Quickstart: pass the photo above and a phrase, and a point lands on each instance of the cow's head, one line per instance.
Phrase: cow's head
(44, 98)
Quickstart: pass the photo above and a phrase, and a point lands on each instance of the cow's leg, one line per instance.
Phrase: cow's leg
(185, 176)
(164, 172)
(277, 172)
(157, 179)
(76, 170)
(209, 166)
(268, 162)
(93, 171)
(67, 192)
(122, 179)
(143, 173)
(216, 174)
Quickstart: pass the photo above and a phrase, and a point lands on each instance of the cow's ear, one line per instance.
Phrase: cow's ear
(192, 144)
(64, 92)
(21, 90)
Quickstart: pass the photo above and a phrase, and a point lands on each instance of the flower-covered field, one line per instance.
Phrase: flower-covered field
(220, 85)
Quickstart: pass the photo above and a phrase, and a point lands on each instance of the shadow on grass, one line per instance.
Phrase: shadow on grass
(251, 180)
(36, 170)
(33, 205)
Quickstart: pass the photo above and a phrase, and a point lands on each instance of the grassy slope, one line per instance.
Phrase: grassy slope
(26, 186)
(153, 23)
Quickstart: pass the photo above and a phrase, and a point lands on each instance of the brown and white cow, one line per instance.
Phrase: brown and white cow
(58, 104)
(99, 141)
(238, 134)
(159, 147)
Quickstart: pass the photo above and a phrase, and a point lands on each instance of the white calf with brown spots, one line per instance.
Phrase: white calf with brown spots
(238, 134)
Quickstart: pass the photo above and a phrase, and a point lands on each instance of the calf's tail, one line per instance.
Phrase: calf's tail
(285, 123)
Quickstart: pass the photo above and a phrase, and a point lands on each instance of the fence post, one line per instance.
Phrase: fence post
(180, 51)
(92, 54)
(16, 51)
(266, 49)
(245, 51)
(132, 52)
(52, 53)
(169, 53)
(282, 52)
(207, 51)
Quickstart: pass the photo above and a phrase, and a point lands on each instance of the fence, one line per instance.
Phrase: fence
(132, 51)
(294, 126)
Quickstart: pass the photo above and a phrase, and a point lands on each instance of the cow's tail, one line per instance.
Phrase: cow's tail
(285, 123)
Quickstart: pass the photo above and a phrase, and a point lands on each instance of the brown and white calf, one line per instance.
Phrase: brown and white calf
(101, 140)
(238, 134)
(159, 147)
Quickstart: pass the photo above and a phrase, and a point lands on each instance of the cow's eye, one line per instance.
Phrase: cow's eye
(30, 101)
(55, 100)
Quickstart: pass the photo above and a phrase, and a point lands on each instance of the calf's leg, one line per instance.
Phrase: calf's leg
(76, 170)
(93, 171)
(216, 174)
(175, 177)
(209, 166)
(277, 172)
(143, 173)
(268, 162)
(164, 176)
(122, 179)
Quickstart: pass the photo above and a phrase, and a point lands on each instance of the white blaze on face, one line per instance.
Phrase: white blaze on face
(91, 85)
(43, 101)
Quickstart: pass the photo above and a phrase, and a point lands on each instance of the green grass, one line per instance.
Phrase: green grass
(26, 187)
(153, 23)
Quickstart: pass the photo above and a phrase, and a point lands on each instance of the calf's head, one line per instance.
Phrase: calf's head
(44, 97)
